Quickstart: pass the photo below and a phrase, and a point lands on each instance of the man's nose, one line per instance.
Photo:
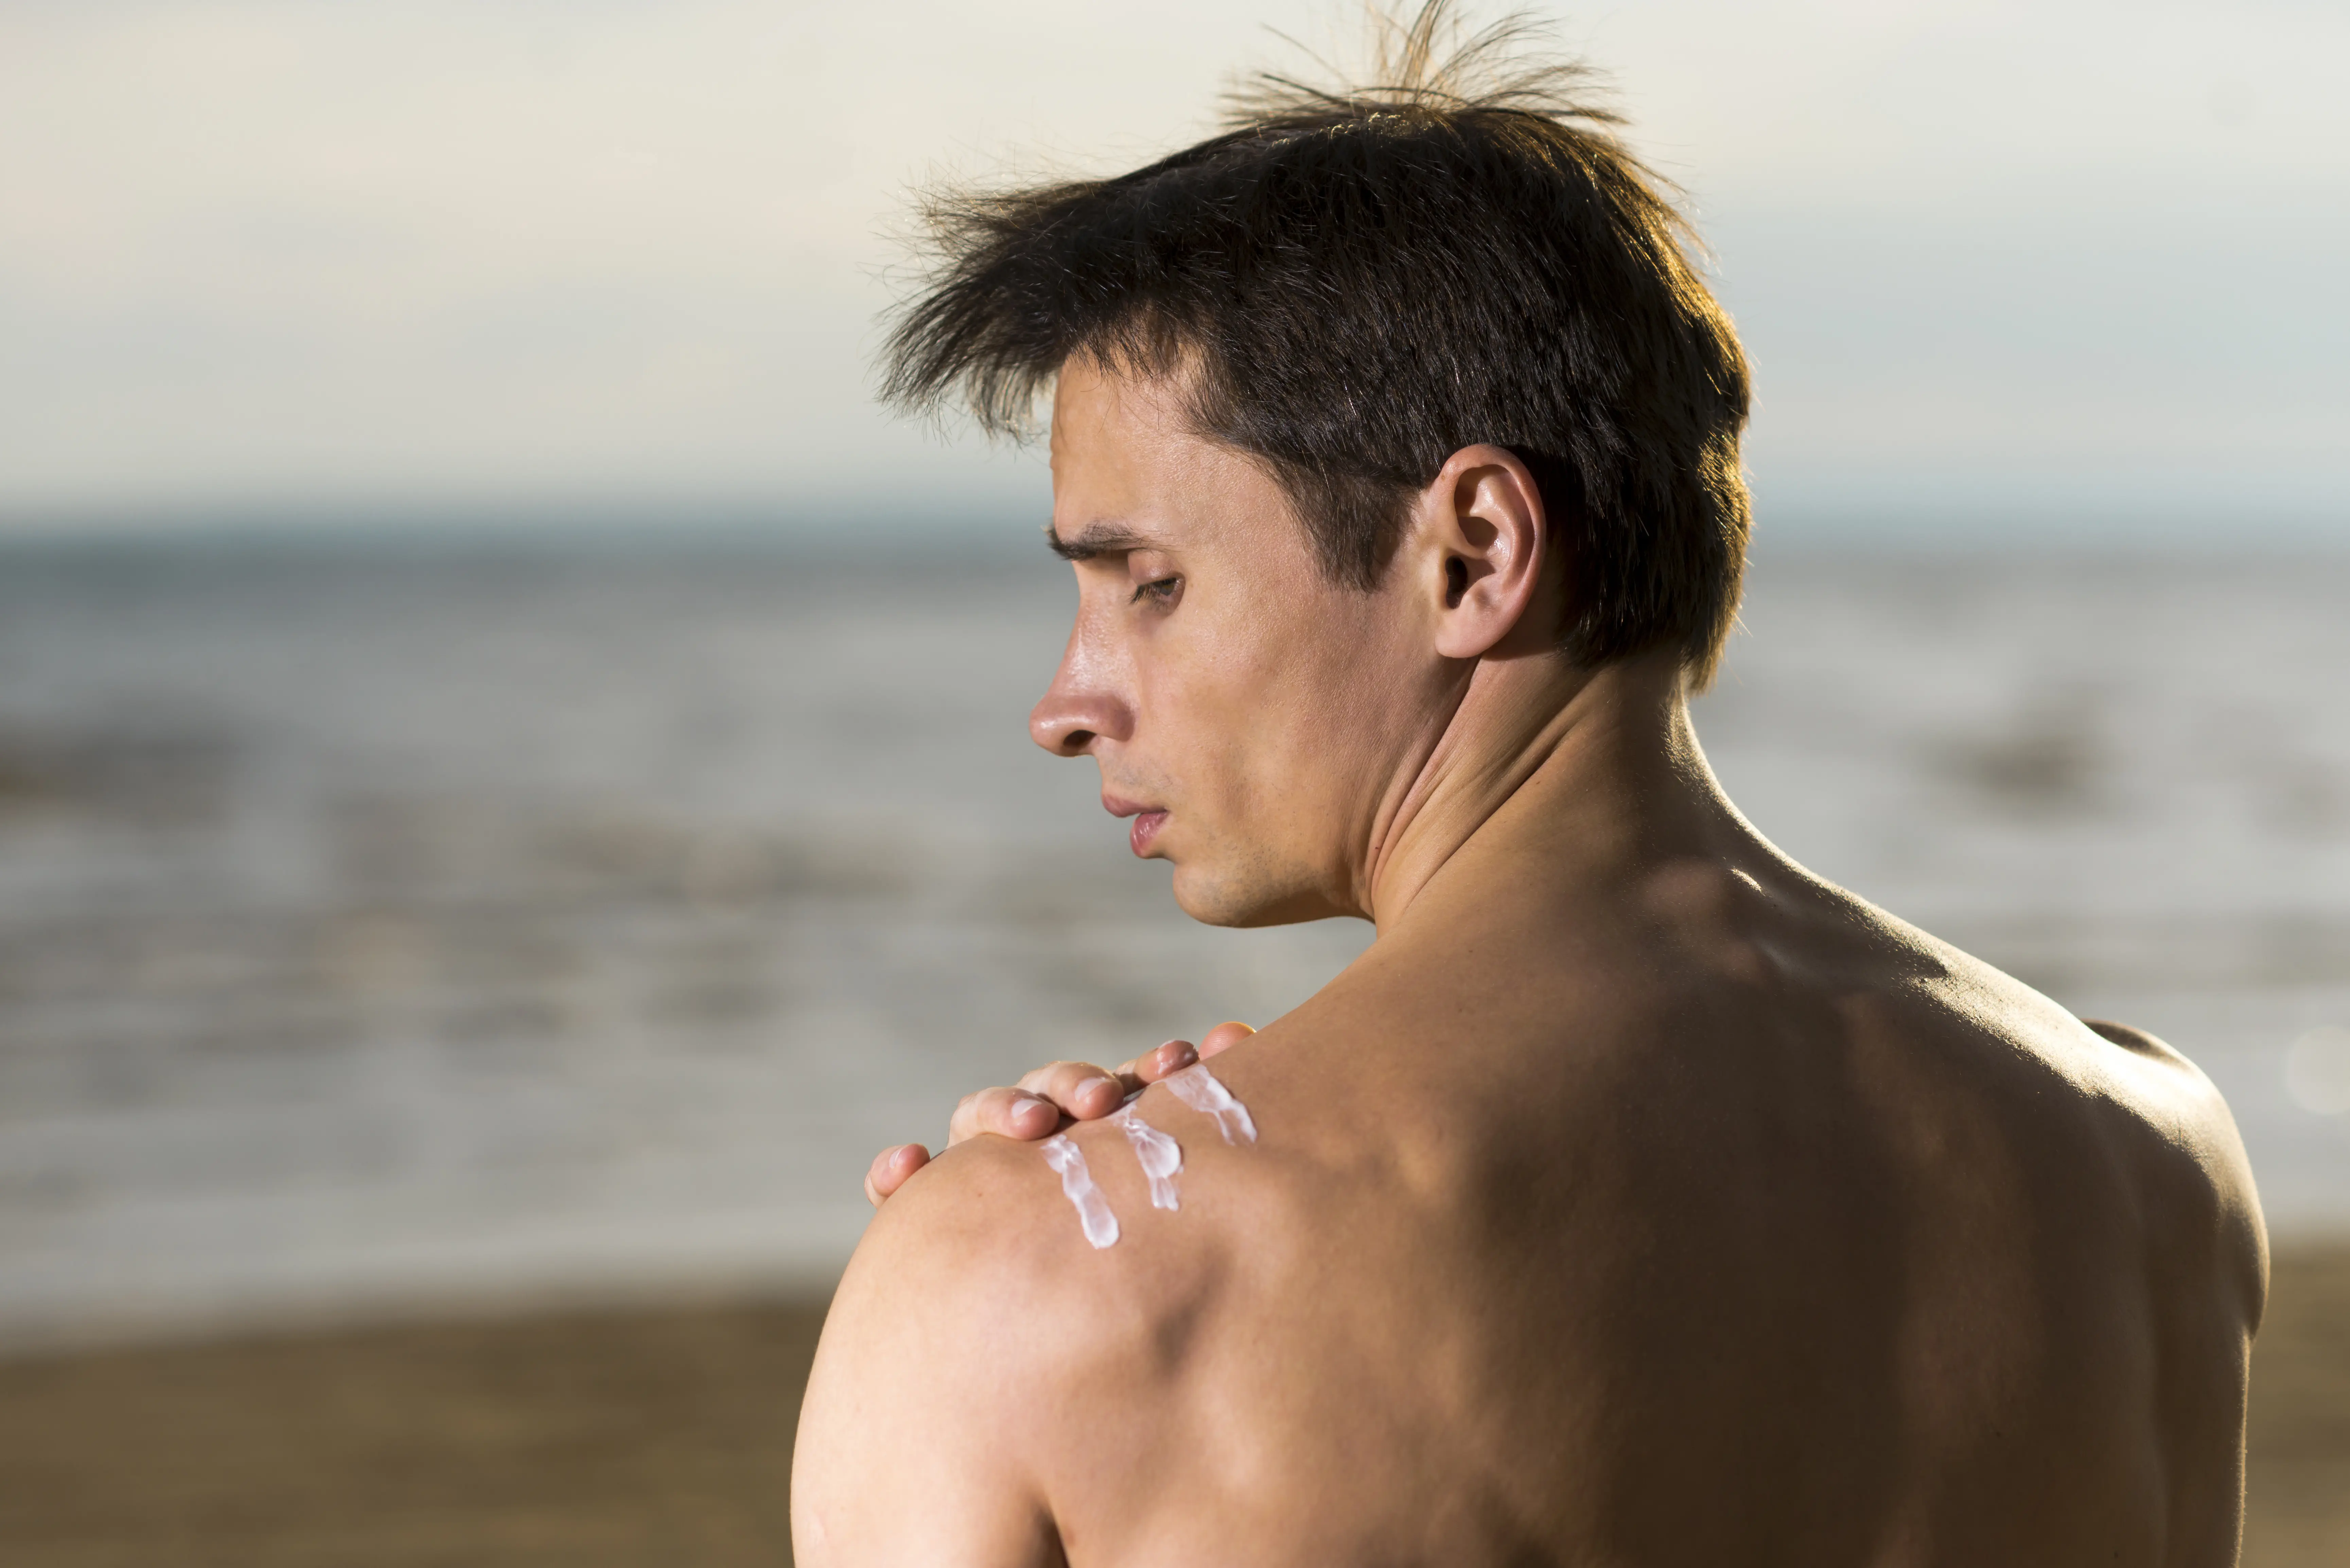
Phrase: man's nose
(1078, 708)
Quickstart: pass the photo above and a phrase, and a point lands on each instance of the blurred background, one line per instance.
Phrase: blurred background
(513, 770)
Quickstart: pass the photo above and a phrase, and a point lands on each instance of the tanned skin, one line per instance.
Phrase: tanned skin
(1637, 1197)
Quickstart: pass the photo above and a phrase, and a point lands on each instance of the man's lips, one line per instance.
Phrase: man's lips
(1148, 821)
(1146, 828)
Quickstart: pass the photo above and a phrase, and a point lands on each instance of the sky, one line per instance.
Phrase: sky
(2001, 266)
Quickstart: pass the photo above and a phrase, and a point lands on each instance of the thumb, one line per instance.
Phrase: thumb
(1223, 1037)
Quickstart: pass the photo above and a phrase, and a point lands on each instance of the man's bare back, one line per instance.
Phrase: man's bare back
(1636, 1199)
(1727, 1219)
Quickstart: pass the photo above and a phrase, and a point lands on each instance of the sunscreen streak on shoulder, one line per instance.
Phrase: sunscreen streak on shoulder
(1160, 1156)
(1077, 1186)
(1198, 1088)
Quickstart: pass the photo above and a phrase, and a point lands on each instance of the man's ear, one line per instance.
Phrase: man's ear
(1482, 549)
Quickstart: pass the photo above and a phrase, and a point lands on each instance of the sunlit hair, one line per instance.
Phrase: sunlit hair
(1358, 283)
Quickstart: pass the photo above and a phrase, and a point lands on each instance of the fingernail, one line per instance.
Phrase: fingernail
(1180, 1053)
(1087, 1086)
(1027, 1103)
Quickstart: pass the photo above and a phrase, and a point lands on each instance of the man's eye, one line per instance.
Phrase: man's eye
(1162, 592)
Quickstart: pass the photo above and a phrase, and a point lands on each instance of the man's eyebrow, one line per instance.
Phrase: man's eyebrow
(1095, 539)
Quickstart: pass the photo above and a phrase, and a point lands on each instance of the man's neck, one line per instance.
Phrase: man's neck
(1601, 765)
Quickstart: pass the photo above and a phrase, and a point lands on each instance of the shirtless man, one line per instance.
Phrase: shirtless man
(1636, 1197)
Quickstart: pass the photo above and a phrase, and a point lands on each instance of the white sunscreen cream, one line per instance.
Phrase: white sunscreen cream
(1198, 1088)
(1160, 1156)
(1077, 1186)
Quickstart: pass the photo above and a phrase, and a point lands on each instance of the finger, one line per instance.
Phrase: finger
(1155, 1064)
(1223, 1037)
(1012, 1113)
(1080, 1089)
(1036, 1078)
(890, 1168)
(972, 1113)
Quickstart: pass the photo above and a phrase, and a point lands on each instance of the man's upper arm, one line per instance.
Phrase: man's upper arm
(918, 1428)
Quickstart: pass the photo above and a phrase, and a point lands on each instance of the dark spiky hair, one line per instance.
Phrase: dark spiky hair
(1358, 283)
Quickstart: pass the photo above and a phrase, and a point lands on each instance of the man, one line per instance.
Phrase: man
(1636, 1197)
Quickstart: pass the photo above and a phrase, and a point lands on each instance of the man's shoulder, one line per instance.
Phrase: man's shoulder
(982, 1232)
(2182, 1143)
(983, 1256)
(2141, 1099)
(1945, 1023)
(2150, 1106)
(924, 1296)
(1894, 1048)
(940, 1385)
(2115, 1133)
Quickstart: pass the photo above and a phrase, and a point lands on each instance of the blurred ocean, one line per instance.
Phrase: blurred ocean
(385, 927)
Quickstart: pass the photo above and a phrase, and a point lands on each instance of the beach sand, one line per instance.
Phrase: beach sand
(665, 1438)
(2298, 1491)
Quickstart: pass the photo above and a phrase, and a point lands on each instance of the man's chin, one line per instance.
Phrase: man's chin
(1243, 902)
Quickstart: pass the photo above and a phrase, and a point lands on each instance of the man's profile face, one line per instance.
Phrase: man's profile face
(1249, 715)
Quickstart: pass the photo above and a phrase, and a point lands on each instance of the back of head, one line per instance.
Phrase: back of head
(1359, 283)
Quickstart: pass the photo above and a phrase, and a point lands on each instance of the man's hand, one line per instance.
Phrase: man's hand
(1033, 1107)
